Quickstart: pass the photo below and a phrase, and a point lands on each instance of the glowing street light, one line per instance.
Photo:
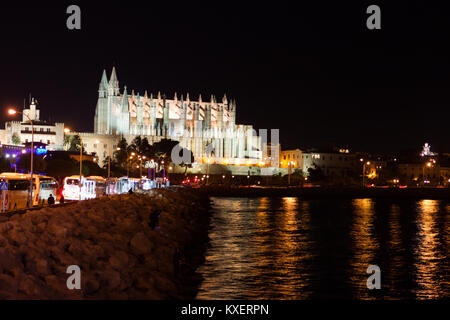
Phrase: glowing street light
(12, 111)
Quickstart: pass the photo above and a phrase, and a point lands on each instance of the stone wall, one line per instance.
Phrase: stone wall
(124, 245)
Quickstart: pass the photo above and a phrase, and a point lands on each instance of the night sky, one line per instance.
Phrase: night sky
(314, 71)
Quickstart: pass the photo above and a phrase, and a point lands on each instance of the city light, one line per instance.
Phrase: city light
(66, 130)
(12, 111)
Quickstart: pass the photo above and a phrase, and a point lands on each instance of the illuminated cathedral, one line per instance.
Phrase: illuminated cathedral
(207, 128)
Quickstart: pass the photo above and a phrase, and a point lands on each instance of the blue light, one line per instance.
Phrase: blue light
(41, 151)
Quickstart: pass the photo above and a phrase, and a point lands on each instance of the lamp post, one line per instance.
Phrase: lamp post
(140, 165)
(154, 169)
(428, 164)
(128, 162)
(109, 156)
(290, 163)
(207, 172)
(364, 171)
(13, 112)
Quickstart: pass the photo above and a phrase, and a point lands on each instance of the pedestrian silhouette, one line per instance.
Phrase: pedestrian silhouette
(51, 200)
(130, 191)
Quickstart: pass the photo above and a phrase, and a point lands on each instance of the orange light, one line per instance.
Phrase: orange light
(12, 111)
(66, 130)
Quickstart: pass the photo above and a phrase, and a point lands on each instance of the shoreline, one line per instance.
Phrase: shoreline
(126, 246)
(324, 192)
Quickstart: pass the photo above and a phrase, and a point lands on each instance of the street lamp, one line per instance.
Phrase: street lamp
(290, 163)
(429, 165)
(109, 157)
(140, 166)
(13, 112)
(364, 171)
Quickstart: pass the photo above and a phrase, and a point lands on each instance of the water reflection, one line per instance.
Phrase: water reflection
(429, 259)
(365, 245)
(286, 248)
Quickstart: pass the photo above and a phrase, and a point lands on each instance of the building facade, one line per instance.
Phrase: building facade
(292, 157)
(19, 132)
(340, 164)
(207, 128)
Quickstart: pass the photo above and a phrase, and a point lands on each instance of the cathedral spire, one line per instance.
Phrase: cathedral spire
(113, 78)
(175, 97)
(114, 83)
(159, 94)
(187, 97)
(104, 80)
(200, 98)
(103, 87)
(125, 100)
(224, 99)
(145, 94)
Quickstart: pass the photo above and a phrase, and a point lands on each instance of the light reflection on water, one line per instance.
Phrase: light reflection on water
(286, 248)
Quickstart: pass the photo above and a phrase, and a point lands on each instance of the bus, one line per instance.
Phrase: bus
(74, 190)
(111, 186)
(17, 195)
(43, 186)
(100, 185)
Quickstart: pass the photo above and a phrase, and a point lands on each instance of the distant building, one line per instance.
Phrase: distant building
(294, 157)
(19, 132)
(207, 128)
(429, 172)
(339, 163)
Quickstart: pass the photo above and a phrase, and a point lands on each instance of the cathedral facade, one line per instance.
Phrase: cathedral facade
(207, 128)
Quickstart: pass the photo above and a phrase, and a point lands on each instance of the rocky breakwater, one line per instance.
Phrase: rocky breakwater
(139, 246)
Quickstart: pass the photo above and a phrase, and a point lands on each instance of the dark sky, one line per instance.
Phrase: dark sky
(314, 71)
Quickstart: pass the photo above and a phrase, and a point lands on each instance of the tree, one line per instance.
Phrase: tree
(316, 174)
(189, 163)
(120, 156)
(163, 149)
(145, 147)
(72, 142)
(15, 139)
